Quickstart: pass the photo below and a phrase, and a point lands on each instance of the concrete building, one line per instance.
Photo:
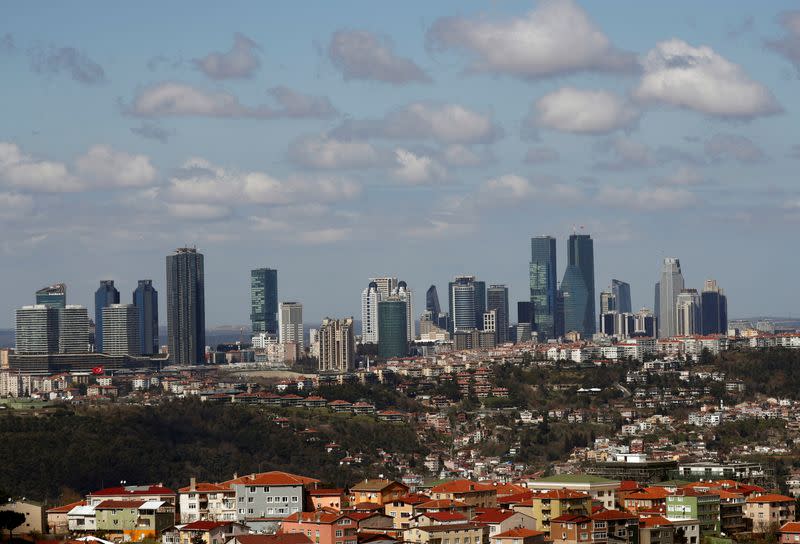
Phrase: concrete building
(336, 345)
(34, 513)
(53, 296)
(688, 313)
(290, 323)
(121, 330)
(407, 296)
(669, 288)
(600, 489)
(36, 329)
(186, 313)
(274, 495)
(370, 297)
(497, 300)
(73, 329)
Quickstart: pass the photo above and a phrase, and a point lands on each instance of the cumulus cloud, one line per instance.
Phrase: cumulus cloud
(360, 54)
(24, 172)
(646, 198)
(415, 169)
(172, 99)
(700, 79)
(15, 206)
(628, 153)
(446, 123)
(789, 44)
(733, 146)
(583, 111)
(105, 167)
(513, 188)
(459, 155)
(537, 155)
(324, 152)
(55, 60)
(555, 38)
(240, 62)
(152, 131)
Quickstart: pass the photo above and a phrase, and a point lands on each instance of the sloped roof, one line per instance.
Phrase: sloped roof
(274, 477)
(461, 486)
(519, 533)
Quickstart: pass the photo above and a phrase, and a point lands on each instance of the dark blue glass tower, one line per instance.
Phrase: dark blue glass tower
(578, 286)
(543, 285)
(106, 295)
(145, 298)
(186, 308)
(432, 301)
(264, 300)
(622, 293)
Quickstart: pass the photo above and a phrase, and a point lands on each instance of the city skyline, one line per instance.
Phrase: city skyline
(270, 135)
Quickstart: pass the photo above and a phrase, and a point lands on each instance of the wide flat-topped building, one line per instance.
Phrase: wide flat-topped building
(600, 489)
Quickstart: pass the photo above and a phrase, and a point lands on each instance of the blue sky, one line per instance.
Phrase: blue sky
(338, 141)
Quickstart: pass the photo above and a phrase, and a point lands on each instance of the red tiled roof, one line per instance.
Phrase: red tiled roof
(274, 477)
(133, 491)
(414, 498)
(560, 494)
(649, 494)
(654, 521)
(790, 527)
(65, 508)
(204, 487)
(205, 525)
(280, 538)
(769, 497)
(492, 515)
(367, 506)
(324, 517)
(447, 527)
(461, 486)
(514, 499)
(571, 518)
(608, 515)
(519, 533)
(325, 492)
(442, 503)
(445, 516)
(375, 484)
(106, 505)
(629, 485)
(509, 489)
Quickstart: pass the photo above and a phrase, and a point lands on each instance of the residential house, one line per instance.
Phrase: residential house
(649, 498)
(133, 492)
(789, 533)
(209, 532)
(206, 501)
(403, 508)
(472, 493)
(332, 499)
(34, 516)
(656, 530)
(279, 538)
(614, 526)
(322, 527)
(546, 505)
(379, 491)
(462, 533)
(599, 489)
(695, 505)
(270, 495)
(763, 512)
(500, 520)
(519, 536)
(571, 529)
(58, 518)
(134, 519)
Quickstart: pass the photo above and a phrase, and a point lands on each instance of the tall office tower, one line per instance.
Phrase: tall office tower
(393, 324)
(525, 312)
(336, 345)
(73, 329)
(480, 303)
(688, 313)
(579, 308)
(405, 294)
(622, 294)
(715, 308)
(657, 303)
(607, 321)
(559, 328)
(669, 287)
(186, 312)
(432, 301)
(645, 323)
(290, 323)
(145, 298)
(121, 330)
(386, 286)
(370, 297)
(608, 302)
(264, 300)
(36, 329)
(54, 296)
(462, 303)
(105, 295)
(543, 280)
(497, 300)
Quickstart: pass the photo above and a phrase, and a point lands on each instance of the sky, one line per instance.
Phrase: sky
(336, 141)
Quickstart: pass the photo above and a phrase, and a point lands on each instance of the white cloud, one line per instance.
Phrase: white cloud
(105, 167)
(555, 38)
(240, 62)
(789, 44)
(513, 189)
(628, 153)
(646, 199)
(417, 169)
(323, 152)
(446, 123)
(24, 172)
(583, 111)
(172, 99)
(360, 54)
(733, 146)
(700, 79)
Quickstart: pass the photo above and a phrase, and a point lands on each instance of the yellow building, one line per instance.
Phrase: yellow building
(546, 505)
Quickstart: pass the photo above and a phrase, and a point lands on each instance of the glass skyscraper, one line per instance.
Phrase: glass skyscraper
(543, 285)
(393, 328)
(669, 288)
(106, 295)
(264, 300)
(467, 297)
(186, 317)
(497, 300)
(622, 294)
(432, 301)
(715, 309)
(54, 296)
(145, 298)
(578, 286)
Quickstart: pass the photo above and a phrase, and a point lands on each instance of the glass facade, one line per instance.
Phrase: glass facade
(580, 254)
(106, 295)
(622, 293)
(54, 296)
(186, 316)
(543, 285)
(432, 301)
(145, 298)
(576, 298)
(393, 328)
(264, 300)
(497, 300)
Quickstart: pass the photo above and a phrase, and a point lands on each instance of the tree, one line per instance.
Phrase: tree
(10, 520)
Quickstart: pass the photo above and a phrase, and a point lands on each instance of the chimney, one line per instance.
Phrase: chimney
(192, 484)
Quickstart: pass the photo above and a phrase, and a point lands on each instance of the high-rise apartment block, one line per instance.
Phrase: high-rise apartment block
(36, 329)
(186, 317)
(264, 300)
(688, 313)
(405, 294)
(121, 330)
(290, 323)
(370, 297)
(73, 329)
(497, 301)
(336, 345)
(669, 287)
(386, 285)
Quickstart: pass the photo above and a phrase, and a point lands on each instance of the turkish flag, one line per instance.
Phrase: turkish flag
(97, 370)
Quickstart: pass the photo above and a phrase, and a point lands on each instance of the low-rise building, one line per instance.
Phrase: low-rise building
(767, 511)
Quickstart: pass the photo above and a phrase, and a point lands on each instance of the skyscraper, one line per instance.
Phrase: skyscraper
(578, 286)
(688, 314)
(657, 303)
(264, 300)
(645, 323)
(462, 295)
(186, 316)
(36, 329)
(370, 297)
(669, 287)
(290, 319)
(54, 296)
(543, 285)
(715, 308)
(392, 321)
(105, 295)
(608, 302)
(336, 345)
(145, 298)
(405, 294)
(432, 301)
(73, 329)
(497, 300)
(525, 312)
(622, 294)
(121, 330)
(385, 285)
